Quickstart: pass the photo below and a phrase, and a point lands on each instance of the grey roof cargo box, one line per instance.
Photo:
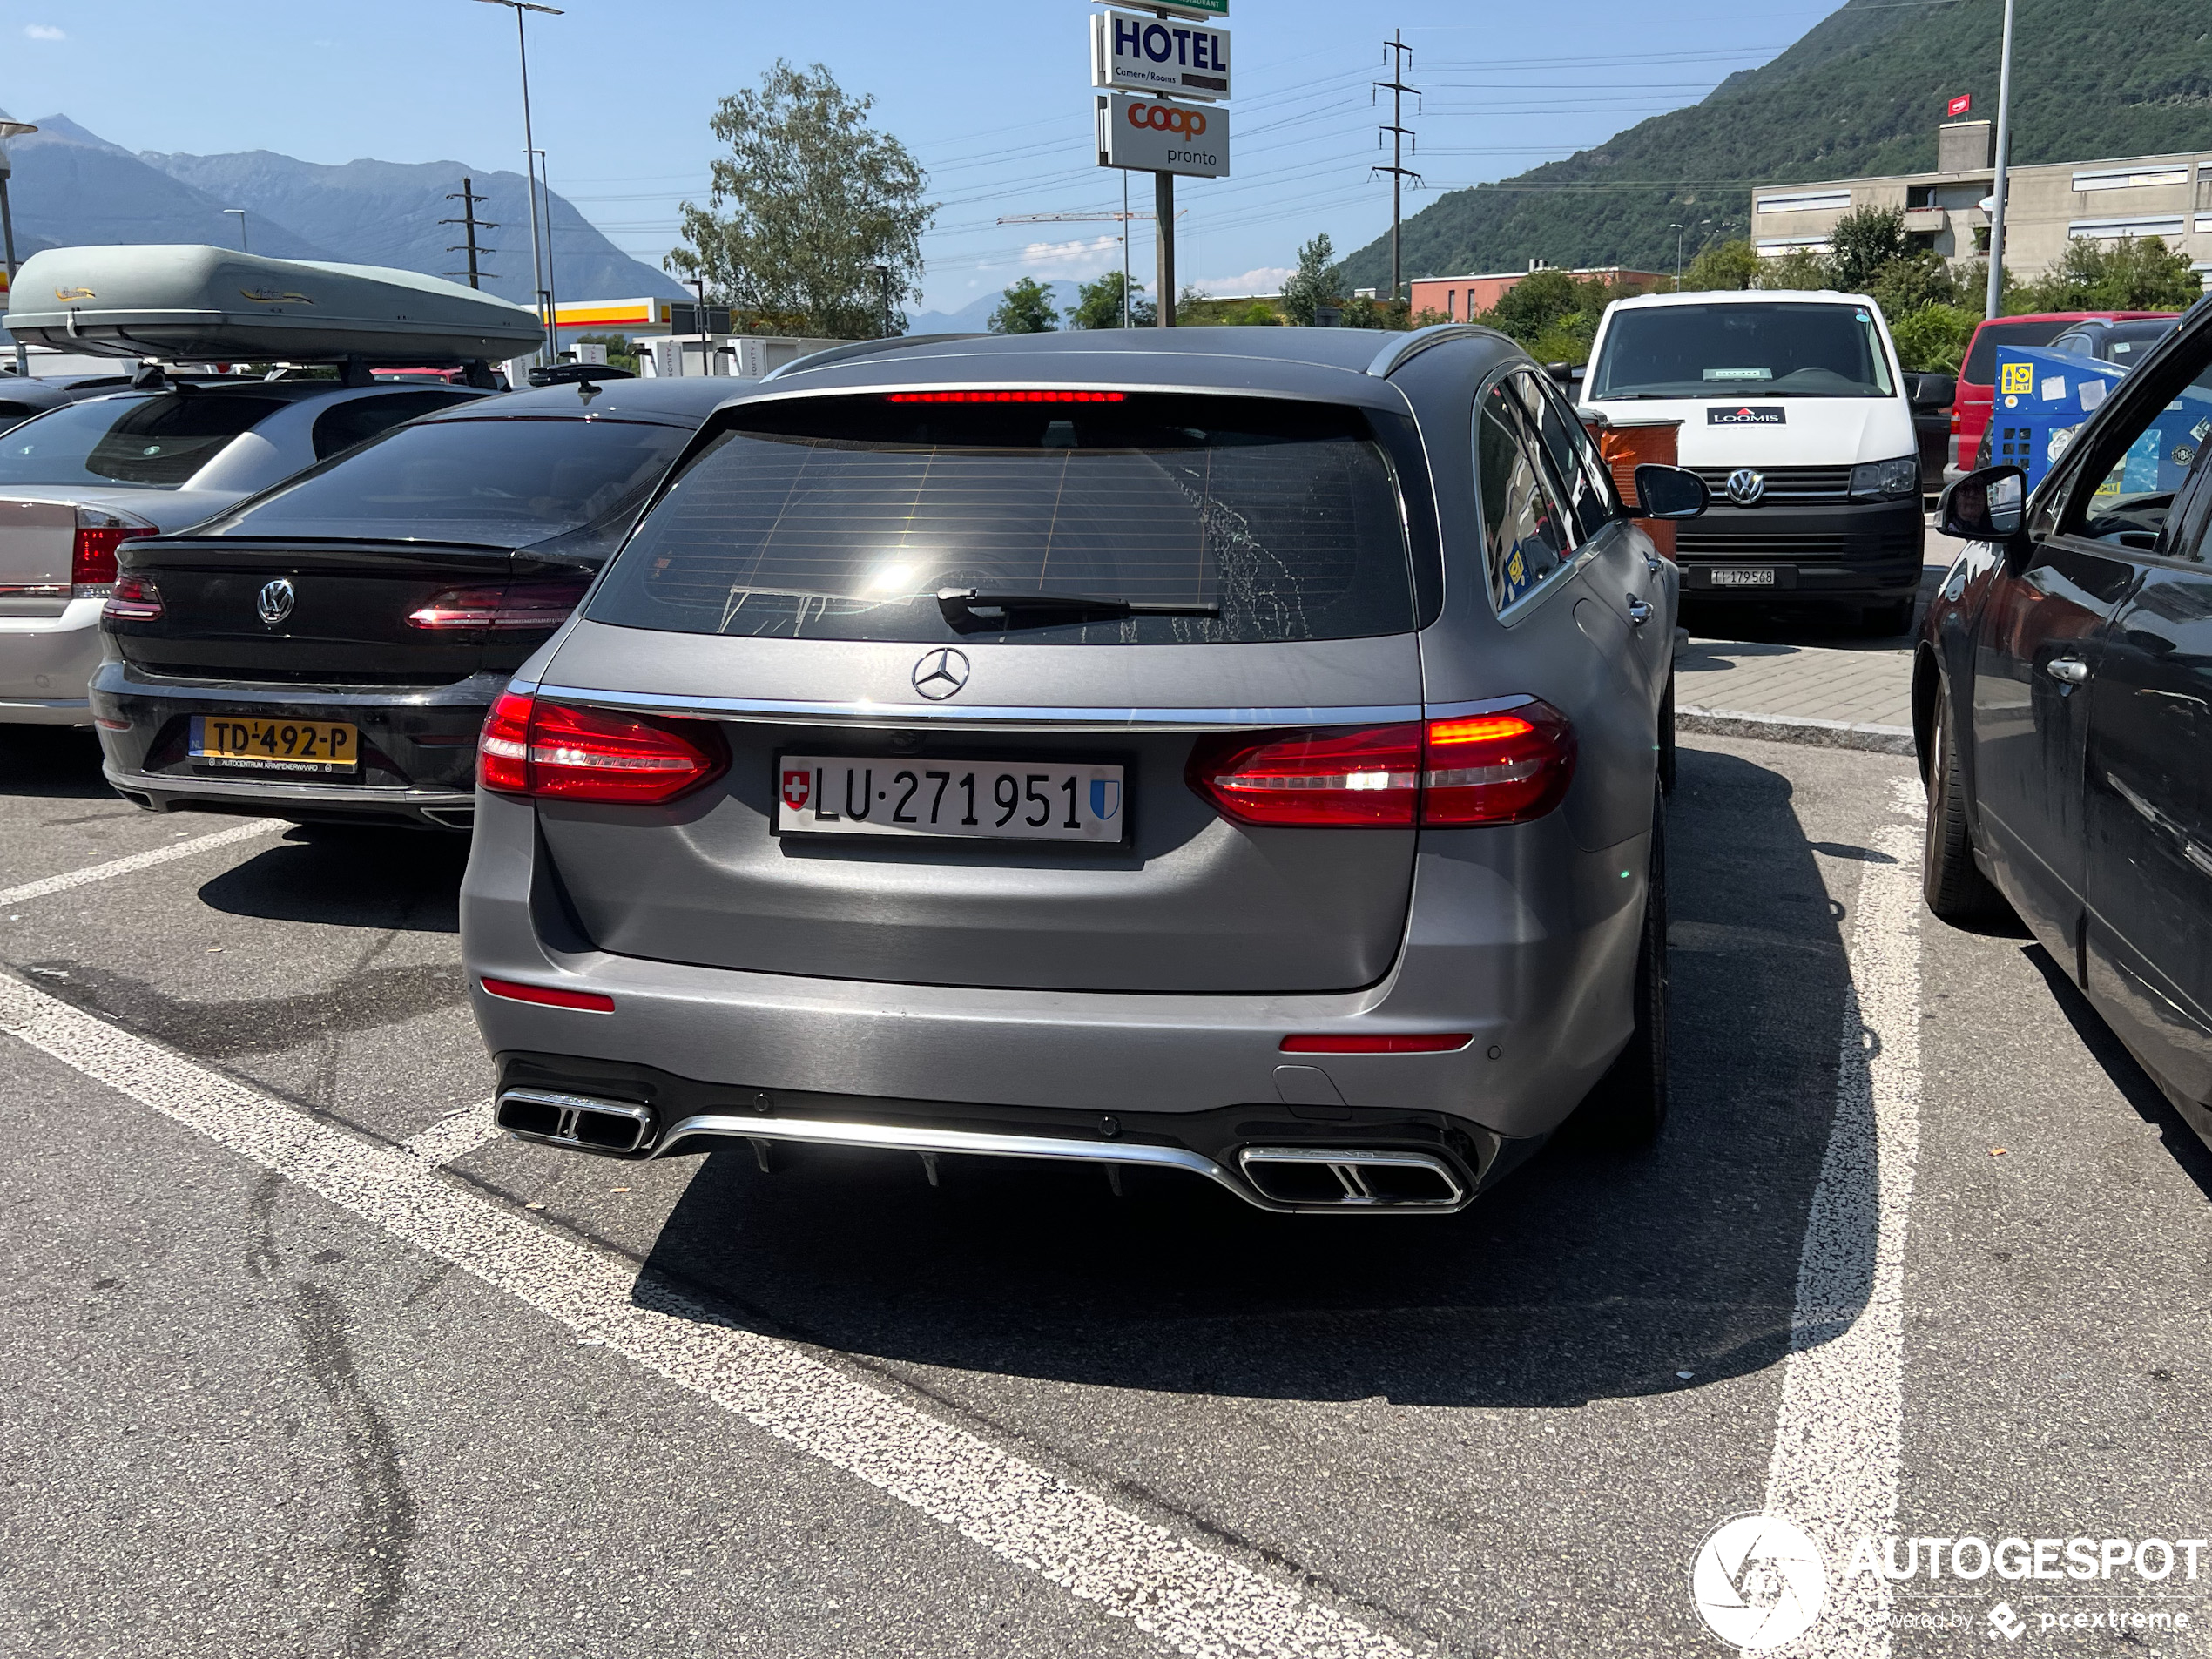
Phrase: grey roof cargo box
(191, 303)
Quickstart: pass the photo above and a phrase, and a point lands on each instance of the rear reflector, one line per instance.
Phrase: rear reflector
(1497, 768)
(549, 750)
(135, 599)
(1005, 397)
(1419, 1042)
(588, 1001)
(542, 605)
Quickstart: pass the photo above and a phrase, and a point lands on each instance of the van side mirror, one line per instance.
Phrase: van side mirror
(1669, 492)
(1986, 506)
(1562, 373)
(1932, 391)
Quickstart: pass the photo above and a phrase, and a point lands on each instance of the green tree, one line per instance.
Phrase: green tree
(1534, 304)
(1314, 283)
(810, 201)
(2133, 275)
(1025, 308)
(1933, 338)
(1904, 284)
(1724, 265)
(1863, 242)
(1800, 269)
(1098, 305)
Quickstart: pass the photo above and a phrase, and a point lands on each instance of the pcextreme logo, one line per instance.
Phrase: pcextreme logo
(1169, 118)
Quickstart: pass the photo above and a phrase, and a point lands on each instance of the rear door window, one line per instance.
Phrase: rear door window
(848, 517)
(1527, 532)
(156, 441)
(358, 420)
(1574, 458)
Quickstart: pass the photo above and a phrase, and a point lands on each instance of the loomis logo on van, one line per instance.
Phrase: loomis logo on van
(1746, 415)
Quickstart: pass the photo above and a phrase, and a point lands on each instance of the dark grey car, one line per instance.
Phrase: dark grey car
(1236, 751)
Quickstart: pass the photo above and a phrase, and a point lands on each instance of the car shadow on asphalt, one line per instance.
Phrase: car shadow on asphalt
(371, 877)
(2134, 1084)
(53, 763)
(1586, 1274)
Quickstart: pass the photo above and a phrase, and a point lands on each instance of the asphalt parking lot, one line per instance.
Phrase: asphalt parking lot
(301, 1358)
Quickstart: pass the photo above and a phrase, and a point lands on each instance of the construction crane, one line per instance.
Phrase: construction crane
(1121, 218)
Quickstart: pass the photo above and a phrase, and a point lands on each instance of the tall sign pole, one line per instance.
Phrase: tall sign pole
(1401, 60)
(1993, 305)
(1162, 83)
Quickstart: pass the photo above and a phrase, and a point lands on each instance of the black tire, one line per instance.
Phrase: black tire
(1952, 883)
(1629, 1107)
(1885, 621)
(1667, 738)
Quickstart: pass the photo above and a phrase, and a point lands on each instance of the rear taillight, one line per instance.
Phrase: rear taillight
(541, 605)
(549, 750)
(91, 562)
(135, 599)
(1495, 768)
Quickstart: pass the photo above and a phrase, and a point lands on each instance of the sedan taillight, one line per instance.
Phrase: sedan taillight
(92, 555)
(552, 752)
(1496, 768)
(135, 599)
(542, 605)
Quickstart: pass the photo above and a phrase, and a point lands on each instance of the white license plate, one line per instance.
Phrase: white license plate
(1743, 575)
(1014, 800)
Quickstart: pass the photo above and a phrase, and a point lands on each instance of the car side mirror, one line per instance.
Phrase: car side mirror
(1933, 391)
(1562, 373)
(1669, 492)
(1986, 506)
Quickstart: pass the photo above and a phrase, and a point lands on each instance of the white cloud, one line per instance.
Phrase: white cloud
(1087, 257)
(1265, 278)
(42, 31)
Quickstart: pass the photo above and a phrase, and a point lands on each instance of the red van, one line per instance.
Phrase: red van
(1977, 378)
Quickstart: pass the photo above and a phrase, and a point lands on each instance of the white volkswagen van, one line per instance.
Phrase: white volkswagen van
(1794, 413)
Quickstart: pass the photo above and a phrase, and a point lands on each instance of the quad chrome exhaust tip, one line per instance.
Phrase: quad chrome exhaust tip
(575, 1121)
(1352, 1177)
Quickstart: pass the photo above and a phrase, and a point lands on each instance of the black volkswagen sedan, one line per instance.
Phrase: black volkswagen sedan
(327, 649)
(2062, 695)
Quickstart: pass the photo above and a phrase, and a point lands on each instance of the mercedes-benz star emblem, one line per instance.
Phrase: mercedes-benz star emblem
(941, 673)
(274, 603)
(1746, 487)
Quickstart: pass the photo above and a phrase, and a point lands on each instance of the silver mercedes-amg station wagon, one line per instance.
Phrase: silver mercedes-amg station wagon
(1232, 751)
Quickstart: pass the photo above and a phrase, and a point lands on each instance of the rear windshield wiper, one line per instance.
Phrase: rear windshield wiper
(961, 606)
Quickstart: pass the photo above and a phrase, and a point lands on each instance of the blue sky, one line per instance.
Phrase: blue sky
(992, 96)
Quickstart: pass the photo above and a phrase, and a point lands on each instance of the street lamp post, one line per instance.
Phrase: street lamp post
(240, 212)
(529, 152)
(11, 130)
(1994, 302)
(1677, 229)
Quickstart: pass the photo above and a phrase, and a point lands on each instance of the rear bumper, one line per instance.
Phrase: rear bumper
(418, 747)
(45, 663)
(1858, 553)
(1515, 937)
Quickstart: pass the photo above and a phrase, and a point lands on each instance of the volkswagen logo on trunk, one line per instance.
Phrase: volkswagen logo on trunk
(274, 603)
(1746, 488)
(940, 674)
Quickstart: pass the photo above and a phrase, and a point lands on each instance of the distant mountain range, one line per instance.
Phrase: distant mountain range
(1862, 93)
(975, 318)
(72, 188)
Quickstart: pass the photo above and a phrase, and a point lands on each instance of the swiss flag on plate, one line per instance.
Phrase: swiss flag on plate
(799, 783)
(1960, 104)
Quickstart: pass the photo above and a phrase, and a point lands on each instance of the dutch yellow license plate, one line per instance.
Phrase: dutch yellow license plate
(275, 746)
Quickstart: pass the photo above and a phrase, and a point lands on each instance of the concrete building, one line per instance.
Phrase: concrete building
(2168, 197)
(1458, 297)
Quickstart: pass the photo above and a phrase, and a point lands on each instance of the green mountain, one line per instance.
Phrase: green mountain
(1862, 93)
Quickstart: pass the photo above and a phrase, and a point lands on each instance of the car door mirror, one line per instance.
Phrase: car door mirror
(1933, 391)
(1986, 506)
(1669, 492)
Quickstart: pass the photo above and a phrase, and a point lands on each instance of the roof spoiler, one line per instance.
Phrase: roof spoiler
(857, 349)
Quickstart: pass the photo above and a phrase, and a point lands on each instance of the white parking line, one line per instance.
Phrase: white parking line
(175, 849)
(455, 1135)
(1838, 1437)
(1193, 1600)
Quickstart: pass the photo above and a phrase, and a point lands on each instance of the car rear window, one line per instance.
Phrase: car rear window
(844, 518)
(1981, 357)
(156, 441)
(359, 419)
(504, 481)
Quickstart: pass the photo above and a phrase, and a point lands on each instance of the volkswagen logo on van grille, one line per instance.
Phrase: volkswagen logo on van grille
(941, 673)
(1746, 487)
(274, 603)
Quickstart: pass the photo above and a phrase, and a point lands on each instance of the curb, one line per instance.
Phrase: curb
(1775, 728)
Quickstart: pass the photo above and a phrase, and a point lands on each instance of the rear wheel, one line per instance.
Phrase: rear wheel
(1628, 1106)
(1952, 883)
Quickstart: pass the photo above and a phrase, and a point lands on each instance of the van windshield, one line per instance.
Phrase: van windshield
(1786, 349)
(1205, 519)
